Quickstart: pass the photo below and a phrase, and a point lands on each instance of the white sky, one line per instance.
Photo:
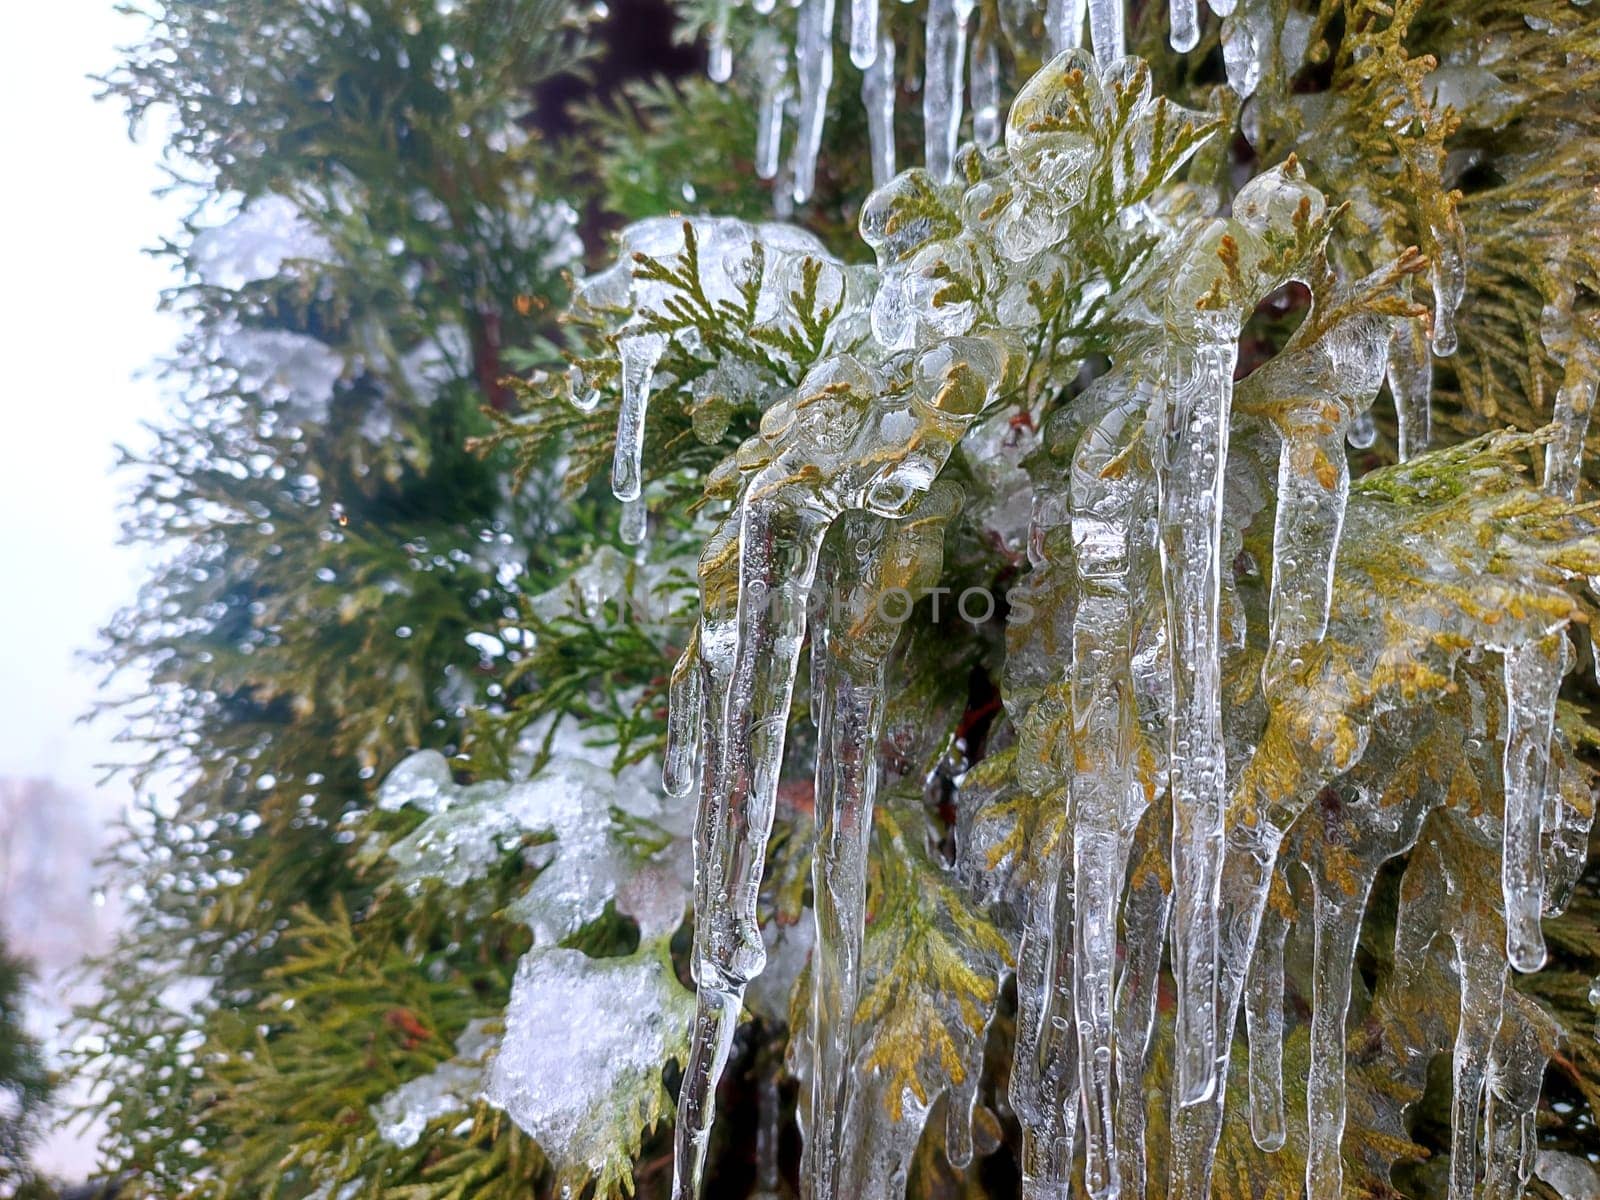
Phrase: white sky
(77, 322)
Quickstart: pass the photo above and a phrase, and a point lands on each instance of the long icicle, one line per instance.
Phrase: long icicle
(850, 650)
(878, 96)
(1064, 24)
(1337, 917)
(1481, 970)
(942, 85)
(1048, 1172)
(849, 713)
(814, 65)
(1264, 1028)
(1516, 1078)
(1313, 487)
(1199, 386)
(1144, 933)
(1533, 679)
(987, 124)
(772, 64)
(1106, 797)
(777, 546)
(1106, 31)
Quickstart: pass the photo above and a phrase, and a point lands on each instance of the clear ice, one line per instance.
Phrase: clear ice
(1223, 670)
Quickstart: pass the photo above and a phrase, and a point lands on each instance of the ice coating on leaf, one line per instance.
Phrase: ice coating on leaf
(451, 1087)
(580, 1063)
(631, 858)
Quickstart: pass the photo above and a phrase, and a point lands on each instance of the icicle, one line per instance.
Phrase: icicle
(634, 524)
(1563, 456)
(1411, 384)
(847, 696)
(1106, 30)
(986, 116)
(1313, 487)
(1337, 379)
(946, 49)
(1338, 925)
(1264, 1027)
(1199, 384)
(1516, 1077)
(1044, 1073)
(1063, 24)
(877, 95)
(1249, 38)
(1044, 1088)
(1533, 679)
(773, 67)
(580, 392)
(638, 354)
(1368, 832)
(1482, 974)
(1185, 30)
(769, 1113)
(1106, 797)
(719, 54)
(864, 40)
(1363, 430)
(960, 1102)
(777, 558)
(1594, 1002)
(1447, 273)
(1223, 7)
(1144, 923)
(814, 65)
(683, 721)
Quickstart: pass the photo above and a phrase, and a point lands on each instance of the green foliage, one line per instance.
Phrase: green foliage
(25, 1086)
(325, 563)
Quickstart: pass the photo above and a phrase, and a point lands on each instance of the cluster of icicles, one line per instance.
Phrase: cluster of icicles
(797, 80)
(923, 346)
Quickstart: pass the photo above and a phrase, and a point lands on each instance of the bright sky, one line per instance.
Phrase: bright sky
(77, 323)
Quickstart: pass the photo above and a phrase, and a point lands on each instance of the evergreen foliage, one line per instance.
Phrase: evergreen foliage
(386, 529)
